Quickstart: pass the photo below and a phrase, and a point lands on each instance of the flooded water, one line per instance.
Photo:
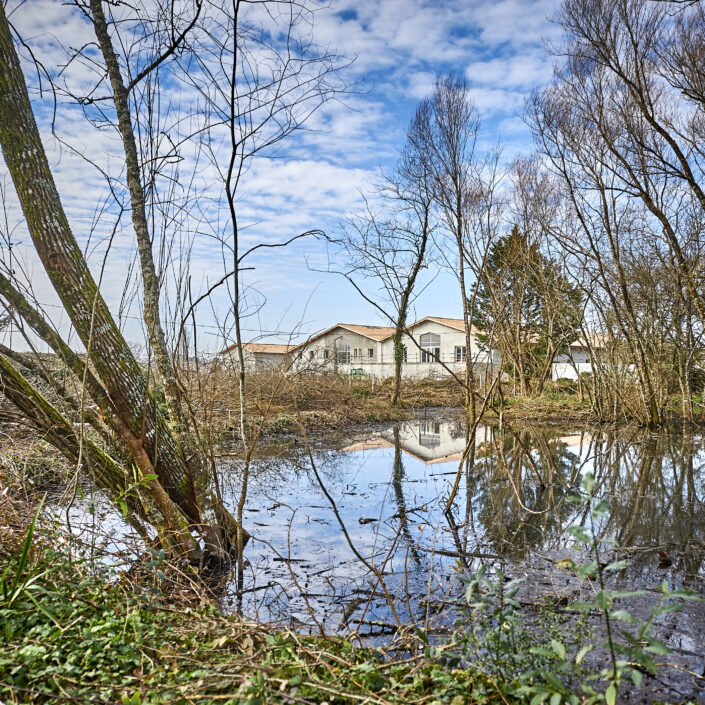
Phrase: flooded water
(360, 540)
(336, 545)
(389, 490)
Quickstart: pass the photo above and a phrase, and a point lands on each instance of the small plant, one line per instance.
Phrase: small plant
(525, 659)
(20, 581)
(282, 423)
(360, 392)
(630, 652)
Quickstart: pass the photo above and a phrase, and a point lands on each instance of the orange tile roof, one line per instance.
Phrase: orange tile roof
(273, 348)
(374, 332)
(596, 340)
(384, 332)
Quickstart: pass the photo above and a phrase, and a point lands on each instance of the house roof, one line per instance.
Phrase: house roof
(384, 332)
(372, 332)
(456, 323)
(273, 348)
(595, 340)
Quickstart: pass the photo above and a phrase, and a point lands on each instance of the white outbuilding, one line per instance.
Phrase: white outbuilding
(433, 347)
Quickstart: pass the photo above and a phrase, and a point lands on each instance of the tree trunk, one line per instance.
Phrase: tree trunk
(144, 431)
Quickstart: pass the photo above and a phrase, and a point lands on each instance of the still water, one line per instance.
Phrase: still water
(369, 517)
(356, 537)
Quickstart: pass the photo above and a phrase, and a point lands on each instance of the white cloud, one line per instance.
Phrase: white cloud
(315, 177)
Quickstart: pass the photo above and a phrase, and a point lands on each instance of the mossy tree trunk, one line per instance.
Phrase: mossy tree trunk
(177, 497)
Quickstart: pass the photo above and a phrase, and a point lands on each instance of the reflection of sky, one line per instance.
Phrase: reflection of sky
(301, 567)
(291, 518)
(361, 485)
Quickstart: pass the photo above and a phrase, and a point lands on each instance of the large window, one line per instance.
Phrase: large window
(370, 352)
(461, 353)
(342, 351)
(430, 347)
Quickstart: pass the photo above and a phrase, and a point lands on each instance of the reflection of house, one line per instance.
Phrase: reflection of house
(580, 440)
(434, 347)
(259, 355)
(436, 441)
(428, 441)
(578, 360)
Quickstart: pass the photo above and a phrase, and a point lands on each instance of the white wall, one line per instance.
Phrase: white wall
(572, 364)
(381, 364)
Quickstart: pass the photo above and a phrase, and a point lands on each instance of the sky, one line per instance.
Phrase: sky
(313, 180)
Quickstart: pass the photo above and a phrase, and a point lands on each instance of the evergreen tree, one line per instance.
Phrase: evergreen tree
(525, 308)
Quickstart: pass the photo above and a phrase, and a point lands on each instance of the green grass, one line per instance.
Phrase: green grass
(78, 636)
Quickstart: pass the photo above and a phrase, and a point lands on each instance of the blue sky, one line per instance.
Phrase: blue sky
(314, 180)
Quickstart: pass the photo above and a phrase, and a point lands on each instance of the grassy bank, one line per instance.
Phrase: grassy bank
(72, 633)
(147, 631)
(332, 402)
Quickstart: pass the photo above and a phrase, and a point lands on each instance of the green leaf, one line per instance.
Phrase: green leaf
(586, 570)
(580, 533)
(623, 616)
(611, 694)
(604, 600)
(668, 607)
(582, 653)
(558, 648)
(657, 647)
(601, 508)
(617, 565)
(588, 482)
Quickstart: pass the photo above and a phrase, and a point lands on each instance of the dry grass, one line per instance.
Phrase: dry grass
(322, 401)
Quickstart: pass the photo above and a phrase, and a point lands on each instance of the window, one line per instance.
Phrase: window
(405, 355)
(430, 347)
(430, 434)
(461, 353)
(355, 352)
(326, 353)
(311, 354)
(342, 351)
(370, 352)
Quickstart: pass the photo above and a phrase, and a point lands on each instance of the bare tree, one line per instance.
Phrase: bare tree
(447, 137)
(391, 247)
(148, 455)
(622, 125)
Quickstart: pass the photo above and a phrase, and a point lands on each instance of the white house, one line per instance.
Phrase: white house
(577, 360)
(434, 347)
(259, 356)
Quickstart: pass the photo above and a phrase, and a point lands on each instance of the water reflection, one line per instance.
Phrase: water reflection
(390, 488)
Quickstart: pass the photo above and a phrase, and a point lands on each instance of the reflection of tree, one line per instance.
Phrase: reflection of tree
(655, 485)
(521, 491)
(397, 480)
(656, 488)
